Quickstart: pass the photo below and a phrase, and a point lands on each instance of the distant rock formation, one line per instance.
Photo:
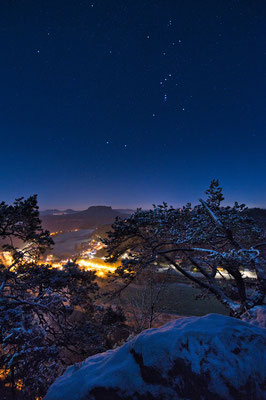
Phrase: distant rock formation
(91, 218)
(211, 357)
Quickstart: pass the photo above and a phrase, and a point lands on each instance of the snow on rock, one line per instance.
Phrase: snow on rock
(211, 357)
(256, 316)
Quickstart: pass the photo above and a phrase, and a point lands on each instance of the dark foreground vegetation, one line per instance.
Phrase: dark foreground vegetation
(51, 318)
(48, 317)
(212, 238)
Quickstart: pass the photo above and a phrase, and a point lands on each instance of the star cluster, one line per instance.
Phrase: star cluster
(132, 102)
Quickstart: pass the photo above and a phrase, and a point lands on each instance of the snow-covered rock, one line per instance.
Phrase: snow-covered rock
(212, 357)
(256, 316)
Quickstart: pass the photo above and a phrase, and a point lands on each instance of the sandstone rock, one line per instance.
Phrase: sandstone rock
(211, 357)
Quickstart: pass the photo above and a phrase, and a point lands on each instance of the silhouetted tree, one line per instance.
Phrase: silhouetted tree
(218, 241)
(48, 318)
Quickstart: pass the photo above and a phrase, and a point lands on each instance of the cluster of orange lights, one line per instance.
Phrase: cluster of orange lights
(86, 261)
(4, 373)
(59, 232)
(101, 268)
(6, 258)
(98, 265)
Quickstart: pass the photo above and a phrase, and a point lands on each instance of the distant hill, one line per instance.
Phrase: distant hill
(96, 216)
(101, 231)
(55, 211)
(91, 218)
(128, 211)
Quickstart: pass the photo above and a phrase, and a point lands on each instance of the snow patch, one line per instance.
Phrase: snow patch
(214, 356)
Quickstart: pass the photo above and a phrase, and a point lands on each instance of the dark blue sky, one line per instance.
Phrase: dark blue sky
(132, 102)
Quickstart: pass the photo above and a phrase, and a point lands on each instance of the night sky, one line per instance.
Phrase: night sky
(132, 102)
